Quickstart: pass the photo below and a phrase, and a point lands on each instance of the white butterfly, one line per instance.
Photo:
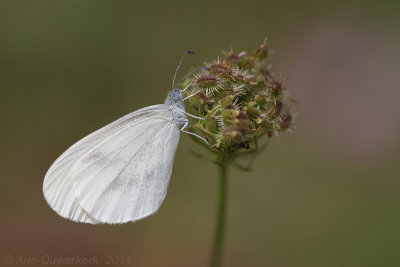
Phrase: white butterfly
(119, 173)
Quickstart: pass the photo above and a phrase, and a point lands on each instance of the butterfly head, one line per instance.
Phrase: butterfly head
(175, 97)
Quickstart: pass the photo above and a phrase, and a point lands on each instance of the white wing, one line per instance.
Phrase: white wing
(117, 174)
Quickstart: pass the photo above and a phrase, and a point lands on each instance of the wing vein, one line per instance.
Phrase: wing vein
(140, 148)
(109, 136)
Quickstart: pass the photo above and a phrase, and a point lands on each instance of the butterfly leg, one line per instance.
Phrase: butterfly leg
(193, 94)
(198, 136)
(193, 116)
(184, 89)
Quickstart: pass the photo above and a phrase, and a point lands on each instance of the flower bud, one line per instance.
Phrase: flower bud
(286, 122)
(220, 68)
(226, 102)
(262, 52)
(275, 88)
(252, 112)
(274, 111)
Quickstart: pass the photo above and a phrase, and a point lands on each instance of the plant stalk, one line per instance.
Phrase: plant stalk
(221, 213)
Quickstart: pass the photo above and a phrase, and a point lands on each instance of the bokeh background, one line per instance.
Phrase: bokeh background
(326, 195)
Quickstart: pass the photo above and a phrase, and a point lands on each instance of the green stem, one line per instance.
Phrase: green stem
(221, 213)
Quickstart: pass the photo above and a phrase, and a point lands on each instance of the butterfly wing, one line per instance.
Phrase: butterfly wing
(117, 174)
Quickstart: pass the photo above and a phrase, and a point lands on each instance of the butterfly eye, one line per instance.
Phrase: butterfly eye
(176, 95)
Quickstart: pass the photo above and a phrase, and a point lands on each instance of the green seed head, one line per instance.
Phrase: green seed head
(241, 100)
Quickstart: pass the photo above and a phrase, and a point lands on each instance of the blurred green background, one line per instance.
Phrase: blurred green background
(326, 195)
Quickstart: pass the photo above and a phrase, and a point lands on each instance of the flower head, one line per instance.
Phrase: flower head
(240, 99)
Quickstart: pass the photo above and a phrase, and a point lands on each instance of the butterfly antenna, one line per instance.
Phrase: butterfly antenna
(180, 63)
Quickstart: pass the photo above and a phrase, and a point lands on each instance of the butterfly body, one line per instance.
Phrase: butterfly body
(175, 103)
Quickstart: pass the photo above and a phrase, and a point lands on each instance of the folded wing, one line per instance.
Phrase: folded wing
(117, 174)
